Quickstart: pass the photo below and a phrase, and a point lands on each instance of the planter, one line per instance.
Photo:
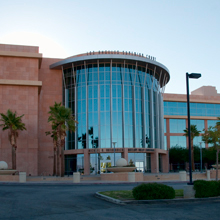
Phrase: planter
(121, 169)
(214, 166)
(7, 172)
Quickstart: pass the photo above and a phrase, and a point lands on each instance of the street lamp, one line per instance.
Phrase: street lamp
(114, 151)
(200, 143)
(192, 76)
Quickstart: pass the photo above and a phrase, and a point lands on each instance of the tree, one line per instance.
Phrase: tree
(55, 150)
(178, 155)
(62, 120)
(212, 136)
(14, 123)
(194, 133)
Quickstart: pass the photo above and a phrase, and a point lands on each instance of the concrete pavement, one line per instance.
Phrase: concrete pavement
(64, 201)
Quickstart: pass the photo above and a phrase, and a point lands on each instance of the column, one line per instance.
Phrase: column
(86, 162)
(155, 162)
(87, 100)
(165, 162)
(151, 119)
(161, 121)
(67, 106)
(157, 113)
(143, 117)
(124, 154)
(134, 115)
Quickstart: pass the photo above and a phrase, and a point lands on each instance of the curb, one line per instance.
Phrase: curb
(109, 199)
(158, 201)
(51, 183)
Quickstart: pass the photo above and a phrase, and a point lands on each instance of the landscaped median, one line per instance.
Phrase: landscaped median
(158, 193)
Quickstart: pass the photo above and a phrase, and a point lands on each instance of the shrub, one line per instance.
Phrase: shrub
(206, 188)
(151, 191)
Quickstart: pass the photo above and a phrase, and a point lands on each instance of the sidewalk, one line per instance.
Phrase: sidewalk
(85, 180)
(96, 179)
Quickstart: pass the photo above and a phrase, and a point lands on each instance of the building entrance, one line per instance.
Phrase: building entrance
(140, 166)
(104, 164)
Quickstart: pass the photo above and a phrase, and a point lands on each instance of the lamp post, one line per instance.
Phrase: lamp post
(200, 143)
(193, 76)
(114, 151)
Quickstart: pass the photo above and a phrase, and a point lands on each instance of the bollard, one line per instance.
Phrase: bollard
(182, 175)
(208, 174)
(76, 177)
(188, 192)
(131, 177)
(22, 177)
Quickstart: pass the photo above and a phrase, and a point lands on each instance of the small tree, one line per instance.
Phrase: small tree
(194, 133)
(62, 120)
(212, 136)
(14, 123)
(178, 155)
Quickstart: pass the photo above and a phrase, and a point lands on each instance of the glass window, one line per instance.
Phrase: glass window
(212, 122)
(200, 124)
(165, 142)
(177, 125)
(165, 126)
(178, 141)
(197, 141)
(139, 160)
(196, 109)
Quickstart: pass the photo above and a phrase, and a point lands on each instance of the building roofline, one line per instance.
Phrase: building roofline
(119, 56)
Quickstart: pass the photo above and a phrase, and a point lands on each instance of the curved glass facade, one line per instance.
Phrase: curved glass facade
(114, 101)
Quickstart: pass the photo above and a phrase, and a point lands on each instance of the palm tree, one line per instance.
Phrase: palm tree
(62, 120)
(14, 123)
(55, 150)
(194, 133)
(212, 136)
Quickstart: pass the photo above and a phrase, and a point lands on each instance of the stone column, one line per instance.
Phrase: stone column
(86, 162)
(155, 162)
(165, 162)
(124, 154)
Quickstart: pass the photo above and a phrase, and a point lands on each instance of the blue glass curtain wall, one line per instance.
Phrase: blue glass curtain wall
(114, 102)
(196, 109)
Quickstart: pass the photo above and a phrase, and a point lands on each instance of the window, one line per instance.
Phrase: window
(177, 141)
(177, 125)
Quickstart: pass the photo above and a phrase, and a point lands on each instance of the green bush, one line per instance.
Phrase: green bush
(206, 188)
(151, 191)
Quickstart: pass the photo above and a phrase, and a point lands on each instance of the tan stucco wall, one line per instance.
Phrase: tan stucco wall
(24, 100)
(51, 91)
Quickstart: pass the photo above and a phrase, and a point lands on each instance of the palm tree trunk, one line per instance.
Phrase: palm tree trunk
(217, 164)
(58, 158)
(13, 157)
(54, 157)
(62, 157)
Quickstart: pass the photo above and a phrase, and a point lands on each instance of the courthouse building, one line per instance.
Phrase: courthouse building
(117, 98)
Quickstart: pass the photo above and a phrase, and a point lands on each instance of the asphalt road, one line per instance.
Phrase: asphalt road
(78, 202)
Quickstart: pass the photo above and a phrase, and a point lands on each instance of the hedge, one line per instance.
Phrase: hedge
(205, 189)
(152, 191)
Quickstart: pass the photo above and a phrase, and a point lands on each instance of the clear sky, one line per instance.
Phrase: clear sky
(184, 35)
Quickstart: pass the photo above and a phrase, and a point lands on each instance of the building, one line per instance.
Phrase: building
(117, 98)
(204, 112)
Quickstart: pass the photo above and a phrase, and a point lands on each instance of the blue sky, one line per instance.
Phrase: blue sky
(183, 35)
